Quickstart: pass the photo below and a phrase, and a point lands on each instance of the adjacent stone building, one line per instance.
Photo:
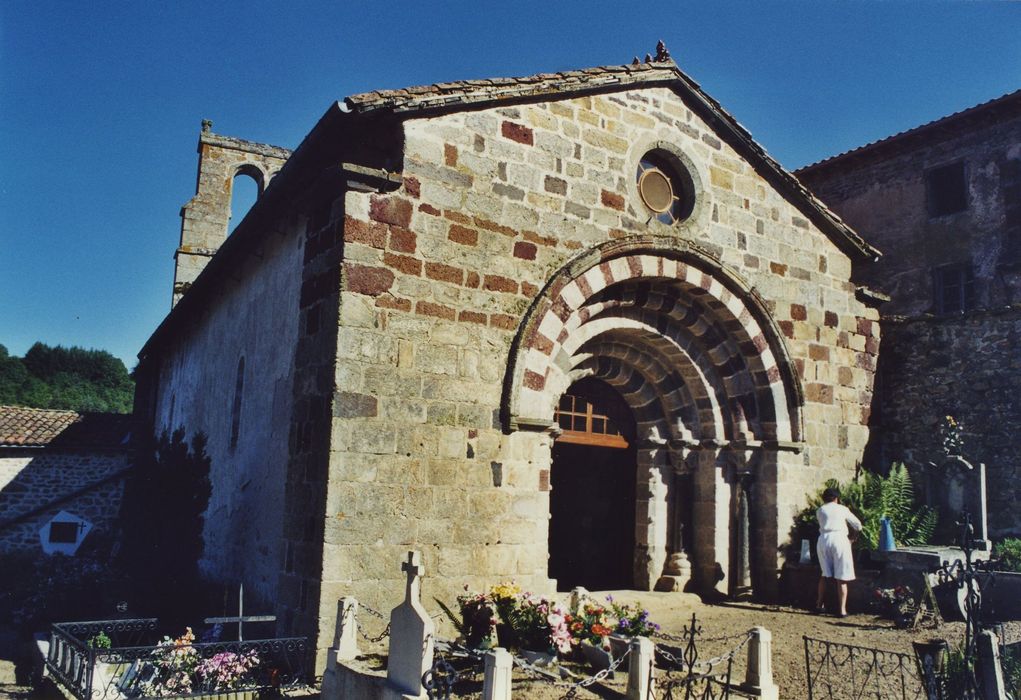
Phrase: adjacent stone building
(518, 324)
(943, 203)
(61, 477)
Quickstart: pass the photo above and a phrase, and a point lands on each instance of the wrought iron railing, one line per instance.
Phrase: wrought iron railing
(134, 664)
(843, 671)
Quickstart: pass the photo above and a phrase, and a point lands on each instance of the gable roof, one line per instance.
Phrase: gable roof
(39, 427)
(454, 96)
(1008, 105)
(341, 121)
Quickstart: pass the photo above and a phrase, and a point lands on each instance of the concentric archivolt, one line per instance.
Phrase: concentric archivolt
(689, 347)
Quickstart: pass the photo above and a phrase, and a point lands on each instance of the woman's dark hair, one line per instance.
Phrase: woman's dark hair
(831, 494)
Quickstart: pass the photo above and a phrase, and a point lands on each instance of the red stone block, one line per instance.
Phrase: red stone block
(525, 251)
(362, 279)
(517, 132)
(390, 210)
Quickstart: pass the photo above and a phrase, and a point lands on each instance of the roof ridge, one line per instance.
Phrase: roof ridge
(959, 114)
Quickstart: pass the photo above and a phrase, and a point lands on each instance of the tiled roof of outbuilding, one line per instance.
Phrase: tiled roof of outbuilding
(38, 427)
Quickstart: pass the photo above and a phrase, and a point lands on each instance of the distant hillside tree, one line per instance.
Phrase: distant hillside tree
(65, 378)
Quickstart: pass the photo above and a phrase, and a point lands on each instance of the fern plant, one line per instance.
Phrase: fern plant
(870, 498)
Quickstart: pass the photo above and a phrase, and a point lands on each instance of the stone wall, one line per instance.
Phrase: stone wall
(968, 367)
(883, 196)
(35, 478)
(438, 277)
(255, 318)
(938, 365)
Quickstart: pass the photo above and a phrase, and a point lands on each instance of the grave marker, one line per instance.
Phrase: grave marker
(412, 635)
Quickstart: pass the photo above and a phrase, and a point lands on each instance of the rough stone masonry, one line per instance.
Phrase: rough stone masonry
(435, 267)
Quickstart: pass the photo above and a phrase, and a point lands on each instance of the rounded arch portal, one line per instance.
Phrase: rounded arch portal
(700, 362)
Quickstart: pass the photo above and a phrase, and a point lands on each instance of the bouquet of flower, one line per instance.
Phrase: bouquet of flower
(478, 619)
(591, 624)
(539, 624)
(174, 661)
(632, 621)
(226, 670)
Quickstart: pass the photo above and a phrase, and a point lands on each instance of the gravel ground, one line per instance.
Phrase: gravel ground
(788, 626)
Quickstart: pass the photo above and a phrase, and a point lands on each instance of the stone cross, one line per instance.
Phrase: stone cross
(412, 634)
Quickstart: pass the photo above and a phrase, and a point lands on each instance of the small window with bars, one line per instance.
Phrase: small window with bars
(953, 289)
(583, 424)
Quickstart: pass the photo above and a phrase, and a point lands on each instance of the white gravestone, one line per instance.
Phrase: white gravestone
(411, 636)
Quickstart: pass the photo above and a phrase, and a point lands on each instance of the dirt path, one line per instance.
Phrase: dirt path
(788, 626)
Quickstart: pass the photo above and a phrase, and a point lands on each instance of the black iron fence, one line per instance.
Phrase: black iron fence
(109, 659)
(843, 671)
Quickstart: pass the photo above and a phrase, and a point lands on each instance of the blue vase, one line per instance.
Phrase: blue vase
(886, 543)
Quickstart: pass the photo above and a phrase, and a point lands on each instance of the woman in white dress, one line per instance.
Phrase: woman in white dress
(834, 548)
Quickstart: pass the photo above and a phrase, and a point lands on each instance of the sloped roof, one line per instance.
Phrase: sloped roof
(38, 427)
(1008, 105)
(463, 94)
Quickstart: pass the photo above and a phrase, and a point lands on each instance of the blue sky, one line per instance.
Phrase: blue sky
(100, 105)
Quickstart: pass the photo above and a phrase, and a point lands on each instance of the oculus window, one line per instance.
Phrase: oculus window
(665, 187)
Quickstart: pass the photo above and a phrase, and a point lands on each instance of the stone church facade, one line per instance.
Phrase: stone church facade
(395, 347)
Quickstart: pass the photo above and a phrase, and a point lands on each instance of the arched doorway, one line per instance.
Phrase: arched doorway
(592, 499)
(715, 398)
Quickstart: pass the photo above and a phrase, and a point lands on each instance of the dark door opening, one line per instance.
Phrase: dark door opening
(592, 501)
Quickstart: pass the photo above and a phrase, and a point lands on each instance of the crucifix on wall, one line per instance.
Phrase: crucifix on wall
(240, 618)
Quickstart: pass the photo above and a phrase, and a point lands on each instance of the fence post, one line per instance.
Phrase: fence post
(497, 681)
(345, 641)
(640, 681)
(990, 671)
(345, 646)
(758, 678)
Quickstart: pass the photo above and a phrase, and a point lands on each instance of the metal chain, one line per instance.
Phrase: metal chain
(572, 688)
(707, 664)
(700, 640)
(382, 635)
(372, 640)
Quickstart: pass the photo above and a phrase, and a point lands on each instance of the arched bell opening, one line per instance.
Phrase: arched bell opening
(592, 496)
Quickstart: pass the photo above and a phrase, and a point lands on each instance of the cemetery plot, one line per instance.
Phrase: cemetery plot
(127, 658)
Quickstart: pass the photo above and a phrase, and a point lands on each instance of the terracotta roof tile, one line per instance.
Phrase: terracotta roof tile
(37, 427)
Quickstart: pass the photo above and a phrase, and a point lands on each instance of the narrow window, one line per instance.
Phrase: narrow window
(946, 189)
(954, 289)
(235, 417)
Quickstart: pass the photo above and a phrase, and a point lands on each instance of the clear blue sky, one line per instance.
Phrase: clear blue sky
(100, 104)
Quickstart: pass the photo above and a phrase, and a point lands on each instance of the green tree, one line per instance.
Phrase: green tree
(65, 378)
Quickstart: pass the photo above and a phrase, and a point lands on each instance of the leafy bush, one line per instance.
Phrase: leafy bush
(162, 512)
(1008, 554)
(870, 498)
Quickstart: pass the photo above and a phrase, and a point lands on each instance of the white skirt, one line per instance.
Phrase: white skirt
(835, 556)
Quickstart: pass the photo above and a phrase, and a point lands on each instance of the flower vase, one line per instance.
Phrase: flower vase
(538, 658)
(597, 657)
(619, 647)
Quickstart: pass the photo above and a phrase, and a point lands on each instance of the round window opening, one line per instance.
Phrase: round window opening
(665, 187)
